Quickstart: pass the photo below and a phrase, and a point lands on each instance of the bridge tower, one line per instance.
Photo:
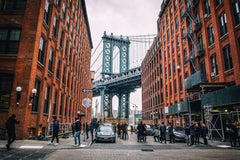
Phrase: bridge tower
(109, 42)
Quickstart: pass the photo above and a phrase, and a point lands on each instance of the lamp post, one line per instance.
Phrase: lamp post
(134, 123)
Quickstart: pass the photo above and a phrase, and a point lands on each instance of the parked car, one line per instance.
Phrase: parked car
(149, 130)
(179, 133)
(105, 133)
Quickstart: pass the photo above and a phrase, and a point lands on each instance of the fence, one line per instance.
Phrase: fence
(63, 127)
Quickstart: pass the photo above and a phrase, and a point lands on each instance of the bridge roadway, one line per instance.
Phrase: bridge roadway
(129, 80)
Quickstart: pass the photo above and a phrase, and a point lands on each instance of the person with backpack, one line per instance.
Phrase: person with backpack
(78, 127)
(55, 131)
(10, 126)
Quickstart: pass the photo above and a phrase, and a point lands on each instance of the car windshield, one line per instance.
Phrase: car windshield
(179, 128)
(105, 129)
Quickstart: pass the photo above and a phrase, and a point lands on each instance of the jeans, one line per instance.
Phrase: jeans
(55, 134)
(77, 134)
(188, 140)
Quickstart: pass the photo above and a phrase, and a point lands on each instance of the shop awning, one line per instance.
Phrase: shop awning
(224, 96)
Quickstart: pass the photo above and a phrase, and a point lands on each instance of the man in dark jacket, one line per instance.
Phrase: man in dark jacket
(192, 132)
(163, 132)
(187, 133)
(93, 125)
(204, 131)
(55, 131)
(10, 126)
(197, 133)
(171, 134)
(78, 127)
(140, 129)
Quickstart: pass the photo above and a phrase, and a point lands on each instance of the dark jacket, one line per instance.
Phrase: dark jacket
(55, 126)
(170, 130)
(140, 128)
(187, 130)
(78, 125)
(163, 128)
(93, 125)
(204, 131)
(10, 125)
(192, 129)
(198, 131)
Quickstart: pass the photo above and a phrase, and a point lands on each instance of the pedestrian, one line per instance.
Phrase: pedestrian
(93, 125)
(238, 132)
(171, 134)
(204, 132)
(156, 134)
(192, 132)
(232, 130)
(78, 127)
(124, 130)
(73, 129)
(197, 133)
(144, 132)
(187, 133)
(55, 131)
(131, 129)
(140, 129)
(163, 132)
(10, 126)
(119, 129)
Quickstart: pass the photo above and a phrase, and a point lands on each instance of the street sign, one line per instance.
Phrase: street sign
(87, 90)
(86, 102)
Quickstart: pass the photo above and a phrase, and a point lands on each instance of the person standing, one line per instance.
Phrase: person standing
(78, 127)
(197, 133)
(55, 131)
(192, 132)
(10, 126)
(124, 128)
(171, 134)
(187, 133)
(204, 131)
(140, 131)
(93, 125)
(163, 132)
(156, 134)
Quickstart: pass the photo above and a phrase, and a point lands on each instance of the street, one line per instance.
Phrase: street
(122, 149)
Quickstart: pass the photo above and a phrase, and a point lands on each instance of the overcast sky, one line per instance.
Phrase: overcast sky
(122, 17)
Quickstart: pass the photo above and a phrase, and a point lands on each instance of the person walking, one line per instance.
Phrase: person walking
(192, 132)
(55, 131)
(10, 126)
(187, 133)
(204, 132)
(197, 133)
(156, 134)
(78, 127)
(171, 134)
(73, 129)
(93, 125)
(140, 129)
(124, 130)
(144, 132)
(163, 132)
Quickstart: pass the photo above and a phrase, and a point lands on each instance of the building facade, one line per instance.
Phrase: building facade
(44, 45)
(191, 72)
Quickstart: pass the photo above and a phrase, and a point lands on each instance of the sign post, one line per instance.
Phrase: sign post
(86, 103)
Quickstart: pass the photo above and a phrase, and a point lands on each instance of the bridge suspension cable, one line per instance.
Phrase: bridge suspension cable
(100, 53)
(96, 48)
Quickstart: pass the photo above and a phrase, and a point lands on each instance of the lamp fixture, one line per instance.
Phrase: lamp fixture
(18, 97)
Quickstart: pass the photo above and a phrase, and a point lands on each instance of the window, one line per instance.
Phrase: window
(9, 41)
(36, 96)
(46, 99)
(65, 112)
(60, 109)
(50, 64)
(173, 47)
(63, 10)
(55, 26)
(163, 24)
(227, 57)
(175, 5)
(186, 74)
(236, 11)
(210, 35)
(14, 5)
(218, 2)
(57, 2)
(63, 77)
(170, 89)
(180, 83)
(175, 86)
(73, 12)
(166, 72)
(166, 90)
(223, 23)
(61, 38)
(200, 41)
(174, 66)
(170, 72)
(66, 48)
(171, 12)
(214, 64)
(46, 12)
(166, 18)
(176, 23)
(182, 14)
(183, 34)
(207, 8)
(168, 36)
(178, 42)
(172, 30)
(55, 103)
(169, 54)
(6, 82)
(41, 50)
(164, 39)
(58, 69)
(68, 22)
(185, 56)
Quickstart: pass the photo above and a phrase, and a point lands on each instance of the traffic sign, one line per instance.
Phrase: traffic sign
(86, 102)
(87, 90)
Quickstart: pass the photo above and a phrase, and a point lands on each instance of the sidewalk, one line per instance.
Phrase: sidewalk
(64, 143)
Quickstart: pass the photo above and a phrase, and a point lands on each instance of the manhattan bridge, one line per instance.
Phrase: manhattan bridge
(117, 69)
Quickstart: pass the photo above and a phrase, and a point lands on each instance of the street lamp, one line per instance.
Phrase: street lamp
(134, 106)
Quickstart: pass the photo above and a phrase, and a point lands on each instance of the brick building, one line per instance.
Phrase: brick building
(46, 45)
(194, 63)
